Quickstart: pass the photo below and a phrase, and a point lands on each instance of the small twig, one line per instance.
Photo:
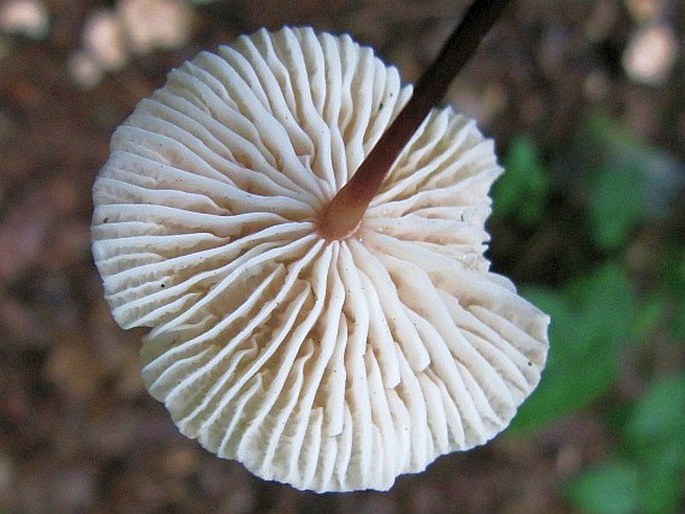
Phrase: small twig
(345, 211)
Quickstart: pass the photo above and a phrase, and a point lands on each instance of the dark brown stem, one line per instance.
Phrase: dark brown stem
(344, 213)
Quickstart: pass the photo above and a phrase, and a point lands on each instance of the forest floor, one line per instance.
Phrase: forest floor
(78, 431)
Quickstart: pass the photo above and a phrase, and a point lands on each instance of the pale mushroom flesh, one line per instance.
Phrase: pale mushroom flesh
(328, 365)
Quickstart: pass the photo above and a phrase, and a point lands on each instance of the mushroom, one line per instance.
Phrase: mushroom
(328, 358)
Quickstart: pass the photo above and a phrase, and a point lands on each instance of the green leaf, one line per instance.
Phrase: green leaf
(626, 486)
(671, 273)
(591, 317)
(648, 318)
(521, 192)
(606, 302)
(617, 204)
(654, 437)
(678, 322)
(659, 415)
(660, 491)
(609, 488)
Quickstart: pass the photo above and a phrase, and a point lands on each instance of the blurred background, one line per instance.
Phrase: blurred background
(586, 102)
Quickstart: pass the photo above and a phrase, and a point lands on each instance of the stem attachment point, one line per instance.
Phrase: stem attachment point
(343, 215)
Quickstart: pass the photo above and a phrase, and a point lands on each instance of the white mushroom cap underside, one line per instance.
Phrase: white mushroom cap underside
(326, 365)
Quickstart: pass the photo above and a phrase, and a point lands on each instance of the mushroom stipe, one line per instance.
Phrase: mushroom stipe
(331, 364)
